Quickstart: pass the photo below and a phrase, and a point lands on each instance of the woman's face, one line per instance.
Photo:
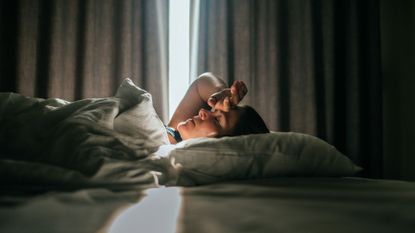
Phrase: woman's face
(209, 124)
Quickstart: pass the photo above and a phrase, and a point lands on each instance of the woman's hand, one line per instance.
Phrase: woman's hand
(227, 98)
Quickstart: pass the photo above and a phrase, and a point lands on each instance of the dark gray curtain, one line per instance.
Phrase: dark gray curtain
(398, 62)
(311, 67)
(74, 49)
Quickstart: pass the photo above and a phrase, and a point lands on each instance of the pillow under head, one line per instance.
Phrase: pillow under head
(207, 160)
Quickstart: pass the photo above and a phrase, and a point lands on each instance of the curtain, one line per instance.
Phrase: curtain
(310, 66)
(398, 62)
(74, 49)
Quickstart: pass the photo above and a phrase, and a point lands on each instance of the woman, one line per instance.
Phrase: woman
(210, 109)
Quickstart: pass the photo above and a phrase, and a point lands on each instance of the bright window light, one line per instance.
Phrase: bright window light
(179, 51)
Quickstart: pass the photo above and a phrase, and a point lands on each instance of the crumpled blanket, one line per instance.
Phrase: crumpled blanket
(86, 143)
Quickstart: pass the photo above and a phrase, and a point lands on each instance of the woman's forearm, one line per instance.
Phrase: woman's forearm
(196, 97)
(207, 84)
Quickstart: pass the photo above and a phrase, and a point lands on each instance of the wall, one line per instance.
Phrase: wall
(398, 61)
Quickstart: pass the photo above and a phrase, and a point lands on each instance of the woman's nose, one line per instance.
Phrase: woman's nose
(203, 114)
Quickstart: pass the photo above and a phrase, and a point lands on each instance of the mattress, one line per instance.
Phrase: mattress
(300, 204)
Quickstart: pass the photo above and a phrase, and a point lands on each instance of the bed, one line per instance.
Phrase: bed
(105, 165)
(295, 204)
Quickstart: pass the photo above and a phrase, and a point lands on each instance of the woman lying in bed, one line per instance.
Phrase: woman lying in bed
(210, 109)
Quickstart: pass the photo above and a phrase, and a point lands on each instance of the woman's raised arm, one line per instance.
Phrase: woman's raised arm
(208, 91)
(196, 97)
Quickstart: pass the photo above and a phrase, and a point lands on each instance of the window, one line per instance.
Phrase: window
(179, 51)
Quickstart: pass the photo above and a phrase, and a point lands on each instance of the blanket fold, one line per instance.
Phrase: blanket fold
(103, 141)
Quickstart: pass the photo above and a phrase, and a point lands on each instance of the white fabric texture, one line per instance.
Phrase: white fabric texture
(88, 142)
(139, 119)
(208, 160)
(288, 204)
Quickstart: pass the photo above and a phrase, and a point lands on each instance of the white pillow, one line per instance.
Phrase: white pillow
(137, 117)
(207, 160)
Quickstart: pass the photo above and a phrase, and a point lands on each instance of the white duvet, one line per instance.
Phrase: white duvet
(91, 142)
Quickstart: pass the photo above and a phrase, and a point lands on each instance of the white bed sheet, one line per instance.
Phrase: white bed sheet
(271, 205)
(301, 205)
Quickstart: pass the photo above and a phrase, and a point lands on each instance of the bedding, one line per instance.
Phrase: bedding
(82, 166)
(208, 160)
(115, 142)
(300, 205)
(285, 204)
(91, 142)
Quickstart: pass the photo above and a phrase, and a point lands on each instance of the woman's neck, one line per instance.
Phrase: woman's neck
(171, 139)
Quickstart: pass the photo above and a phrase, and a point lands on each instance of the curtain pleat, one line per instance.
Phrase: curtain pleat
(310, 66)
(75, 49)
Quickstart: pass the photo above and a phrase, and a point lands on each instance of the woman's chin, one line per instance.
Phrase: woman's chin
(189, 123)
(181, 127)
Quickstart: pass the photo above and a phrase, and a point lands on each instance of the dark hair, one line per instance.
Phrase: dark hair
(249, 122)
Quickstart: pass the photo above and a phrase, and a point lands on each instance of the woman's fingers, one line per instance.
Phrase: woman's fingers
(227, 98)
(226, 104)
(217, 101)
(243, 90)
(238, 91)
(212, 101)
(222, 104)
(235, 95)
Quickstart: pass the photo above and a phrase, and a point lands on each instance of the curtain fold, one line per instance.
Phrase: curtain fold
(311, 67)
(75, 49)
